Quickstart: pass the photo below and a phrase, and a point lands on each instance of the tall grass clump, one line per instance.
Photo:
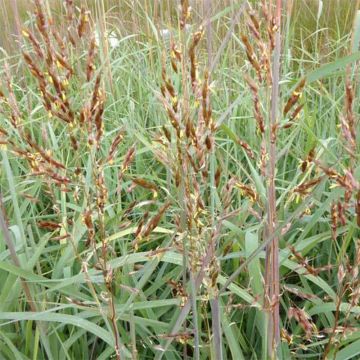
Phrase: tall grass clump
(187, 149)
(69, 160)
(188, 196)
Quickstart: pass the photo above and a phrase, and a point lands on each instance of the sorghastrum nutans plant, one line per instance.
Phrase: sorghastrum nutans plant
(66, 149)
(187, 148)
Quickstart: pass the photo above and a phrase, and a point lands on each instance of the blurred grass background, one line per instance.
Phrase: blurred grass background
(310, 28)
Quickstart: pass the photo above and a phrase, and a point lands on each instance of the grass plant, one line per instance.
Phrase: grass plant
(194, 196)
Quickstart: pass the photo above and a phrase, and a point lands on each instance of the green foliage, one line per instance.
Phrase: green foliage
(72, 318)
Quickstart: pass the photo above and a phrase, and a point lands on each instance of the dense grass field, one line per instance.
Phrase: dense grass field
(180, 183)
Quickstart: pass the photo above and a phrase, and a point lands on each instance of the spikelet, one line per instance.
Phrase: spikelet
(192, 55)
(307, 186)
(154, 221)
(250, 53)
(303, 319)
(83, 21)
(185, 10)
(256, 101)
(146, 185)
(295, 96)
